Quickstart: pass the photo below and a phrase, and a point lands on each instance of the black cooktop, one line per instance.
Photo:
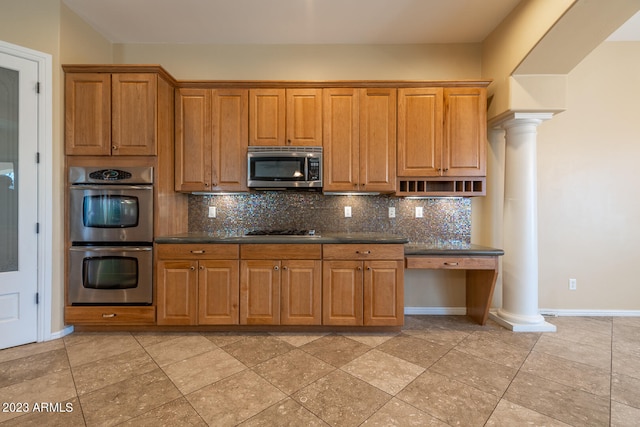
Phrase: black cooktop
(281, 232)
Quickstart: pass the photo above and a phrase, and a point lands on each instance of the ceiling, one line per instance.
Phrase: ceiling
(293, 21)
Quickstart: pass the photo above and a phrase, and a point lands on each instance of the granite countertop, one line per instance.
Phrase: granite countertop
(410, 248)
(452, 249)
(377, 238)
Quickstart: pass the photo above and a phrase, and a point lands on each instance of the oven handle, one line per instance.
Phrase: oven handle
(111, 248)
(110, 187)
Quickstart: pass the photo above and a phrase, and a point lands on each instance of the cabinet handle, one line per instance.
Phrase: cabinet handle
(192, 268)
(363, 252)
(108, 315)
(198, 252)
(452, 264)
(276, 268)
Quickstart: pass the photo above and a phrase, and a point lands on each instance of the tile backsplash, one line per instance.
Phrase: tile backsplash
(445, 221)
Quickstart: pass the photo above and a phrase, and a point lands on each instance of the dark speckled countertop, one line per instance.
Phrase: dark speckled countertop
(379, 238)
(410, 248)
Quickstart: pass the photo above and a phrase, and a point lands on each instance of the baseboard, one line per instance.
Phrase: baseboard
(461, 311)
(436, 311)
(66, 331)
(590, 313)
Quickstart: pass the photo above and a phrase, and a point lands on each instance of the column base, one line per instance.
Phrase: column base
(520, 323)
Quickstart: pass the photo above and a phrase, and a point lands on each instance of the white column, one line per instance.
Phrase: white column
(519, 310)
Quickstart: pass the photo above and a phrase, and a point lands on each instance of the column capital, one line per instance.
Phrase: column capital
(515, 118)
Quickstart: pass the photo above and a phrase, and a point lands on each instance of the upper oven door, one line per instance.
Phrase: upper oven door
(111, 213)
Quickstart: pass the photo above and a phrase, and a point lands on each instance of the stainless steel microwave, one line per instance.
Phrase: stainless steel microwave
(284, 168)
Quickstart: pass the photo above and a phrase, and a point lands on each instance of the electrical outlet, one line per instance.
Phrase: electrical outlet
(213, 212)
(392, 212)
(573, 284)
(419, 212)
(347, 211)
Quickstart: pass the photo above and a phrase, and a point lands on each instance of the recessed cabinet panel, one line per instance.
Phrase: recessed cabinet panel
(341, 139)
(383, 293)
(301, 290)
(193, 140)
(267, 117)
(259, 292)
(218, 292)
(88, 114)
(420, 132)
(465, 132)
(134, 114)
(342, 293)
(177, 293)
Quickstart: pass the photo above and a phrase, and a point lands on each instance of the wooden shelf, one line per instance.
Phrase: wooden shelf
(442, 187)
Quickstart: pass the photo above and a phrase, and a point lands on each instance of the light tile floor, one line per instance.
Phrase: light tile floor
(439, 371)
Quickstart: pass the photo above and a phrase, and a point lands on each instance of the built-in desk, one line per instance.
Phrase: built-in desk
(480, 263)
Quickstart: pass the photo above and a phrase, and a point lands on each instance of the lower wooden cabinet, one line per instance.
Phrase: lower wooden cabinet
(284, 291)
(363, 285)
(197, 290)
(280, 284)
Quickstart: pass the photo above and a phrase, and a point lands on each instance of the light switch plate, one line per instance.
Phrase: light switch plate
(419, 212)
(213, 212)
(347, 211)
(392, 212)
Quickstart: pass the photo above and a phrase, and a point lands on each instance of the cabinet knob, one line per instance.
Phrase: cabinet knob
(288, 142)
(201, 267)
(368, 268)
(192, 268)
(276, 268)
(359, 268)
(206, 184)
(285, 268)
(446, 169)
(114, 147)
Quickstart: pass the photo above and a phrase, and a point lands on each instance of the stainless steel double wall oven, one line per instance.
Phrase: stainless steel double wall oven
(111, 232)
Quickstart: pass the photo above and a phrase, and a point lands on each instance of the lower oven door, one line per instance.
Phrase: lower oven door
(110, 275)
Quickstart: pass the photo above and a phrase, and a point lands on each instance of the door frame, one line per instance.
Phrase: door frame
(44, 183)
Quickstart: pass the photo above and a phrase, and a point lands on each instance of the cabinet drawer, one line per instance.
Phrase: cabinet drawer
(110, 315)
(197, 251)
(280, 251)
(452, 263)
(363, 251)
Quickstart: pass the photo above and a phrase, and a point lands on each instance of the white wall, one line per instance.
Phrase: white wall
(589, 186)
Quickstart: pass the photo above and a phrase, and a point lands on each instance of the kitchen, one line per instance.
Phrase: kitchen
(553, 200)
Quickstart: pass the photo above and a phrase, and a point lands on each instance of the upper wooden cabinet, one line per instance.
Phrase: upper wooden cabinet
(285, 117)
(111, 114)
(211, 139)
(441, 132)
(359, 139)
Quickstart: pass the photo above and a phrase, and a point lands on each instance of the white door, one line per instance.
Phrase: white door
(18, 201)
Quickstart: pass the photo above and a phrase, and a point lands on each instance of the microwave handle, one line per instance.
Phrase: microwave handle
(111, 248)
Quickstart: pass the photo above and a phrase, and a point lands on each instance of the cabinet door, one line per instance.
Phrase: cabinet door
(267, 117)
(383, 293)
(342, 293)
(341, 129)
(420, 132)
(230, 139)
(378, 140)
(465, 132)
(259, 292)
(193, 140)
(301, 290)
(304, 117)
(88, 114)
(218, 292)
(177, 292)
(134, 114)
